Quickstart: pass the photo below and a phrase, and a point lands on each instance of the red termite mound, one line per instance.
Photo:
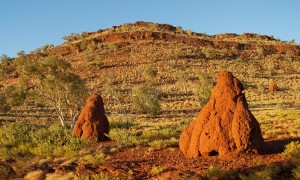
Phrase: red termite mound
(92, 122)
(225, 126)
(273, 86)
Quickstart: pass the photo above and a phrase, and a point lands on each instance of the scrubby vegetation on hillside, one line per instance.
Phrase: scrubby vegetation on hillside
(154, 78)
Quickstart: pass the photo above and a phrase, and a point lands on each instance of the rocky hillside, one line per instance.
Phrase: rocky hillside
(120, 54)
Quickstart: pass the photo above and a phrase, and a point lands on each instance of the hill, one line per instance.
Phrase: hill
(180, 64)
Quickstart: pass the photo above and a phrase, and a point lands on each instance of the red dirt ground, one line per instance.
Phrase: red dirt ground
(140, 160)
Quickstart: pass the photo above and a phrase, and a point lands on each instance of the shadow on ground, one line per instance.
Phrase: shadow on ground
(277, 146)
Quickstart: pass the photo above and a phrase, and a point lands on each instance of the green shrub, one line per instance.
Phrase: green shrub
(296, 172)
(162, 133)
(203, 91)
(160, 143)
(14, 134)
(4, 106)
(123, 137)
(149, 73)
(292, 152)
(153, 26)
(98, 62)
(210, 52)
(125, 27)
(55, 141)
(18, 139)
(182, 78)
(112, 47)
(4, 172)
(99, 158)
(189, 32)
(122, 123)
(84, 44)
(214, 172)
(155, 170)
(146, 100)
(266, 174)
(15, 95)
(99, 176)
(179, 29)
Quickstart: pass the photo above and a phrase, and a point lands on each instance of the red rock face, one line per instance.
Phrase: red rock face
(273, 86)
(92, 122)
(225, 126)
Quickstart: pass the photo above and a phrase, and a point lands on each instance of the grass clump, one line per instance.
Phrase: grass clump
(160, 143)
(99, 176)
(55, 141)
(160, 133)
(146, 100)
(214, 172)
(160, 137)
(292, 153)
(123, 137)
(94, 159)
(4, 172)
(155, 170)
(266, 174)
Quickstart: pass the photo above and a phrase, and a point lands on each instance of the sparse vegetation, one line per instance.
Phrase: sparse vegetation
(155, 170)
(123, 137)
(292, 153)
(52, 80)
(94, 159)
(203, 89)
(19, 139)
(214, 172)
(267, 173)
(158, 70)
(146, 100)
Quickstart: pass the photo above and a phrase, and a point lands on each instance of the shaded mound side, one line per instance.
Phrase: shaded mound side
(225, 126)
(92, 122)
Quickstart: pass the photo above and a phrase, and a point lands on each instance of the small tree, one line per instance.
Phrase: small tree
(21, 53)
(179, 29)
(42, 51)
(203, 91)
(189, 32)
(112, 47)
(15, 95)
(150, 74)
(182, 80)
(71, 37)
(11, 96)
(4, 106)
(53, 81)
(3, 58)
(111, 90)
(145, 99)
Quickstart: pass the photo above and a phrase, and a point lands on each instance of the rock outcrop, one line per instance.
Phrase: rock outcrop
(225, 126)
(92, 122)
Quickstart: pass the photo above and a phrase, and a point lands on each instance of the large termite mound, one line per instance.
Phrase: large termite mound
(225, 126)
(92, 122)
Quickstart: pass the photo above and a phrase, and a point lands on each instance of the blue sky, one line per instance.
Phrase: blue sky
(30, 24)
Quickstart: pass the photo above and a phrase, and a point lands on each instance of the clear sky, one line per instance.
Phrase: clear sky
(30, 24)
